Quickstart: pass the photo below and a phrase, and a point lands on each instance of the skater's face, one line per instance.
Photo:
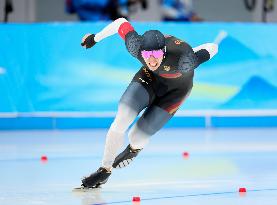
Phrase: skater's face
(153, 59)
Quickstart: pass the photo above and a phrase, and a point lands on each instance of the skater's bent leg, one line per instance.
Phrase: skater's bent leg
(132, 102)
(155, 117)
(150, 122)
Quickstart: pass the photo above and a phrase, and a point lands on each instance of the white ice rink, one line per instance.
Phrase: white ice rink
(220, 162)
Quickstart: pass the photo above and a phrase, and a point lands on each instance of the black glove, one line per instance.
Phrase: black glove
(89, 41)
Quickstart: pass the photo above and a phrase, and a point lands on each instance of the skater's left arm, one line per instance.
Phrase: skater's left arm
(205, 52)
(191, 60)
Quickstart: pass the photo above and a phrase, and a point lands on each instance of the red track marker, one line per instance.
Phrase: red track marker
(136, 199)
(43, 158)
(242, 190)
(185, 155)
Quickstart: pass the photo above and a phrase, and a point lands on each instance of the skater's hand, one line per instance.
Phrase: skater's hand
(88, 41)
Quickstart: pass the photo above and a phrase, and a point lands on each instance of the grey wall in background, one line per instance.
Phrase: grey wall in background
(222, 10)
(23, 11)
(210, 10)
(232, 10)
(153, 13)
(37, 11)
(52, 10)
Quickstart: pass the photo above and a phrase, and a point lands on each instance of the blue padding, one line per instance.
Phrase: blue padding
(179, 122)
(43, 68)
(83, 123)
(21, 123)
(26, 123)
(266, 121)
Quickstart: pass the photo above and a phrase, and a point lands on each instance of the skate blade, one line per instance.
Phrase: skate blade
(85, 189)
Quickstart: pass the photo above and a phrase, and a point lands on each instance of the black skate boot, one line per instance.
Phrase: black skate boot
(96, 179)
(125, 157)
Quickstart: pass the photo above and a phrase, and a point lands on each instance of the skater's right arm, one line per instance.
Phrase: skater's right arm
(123, 28)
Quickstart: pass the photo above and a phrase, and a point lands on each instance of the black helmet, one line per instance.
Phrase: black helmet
(152, 40)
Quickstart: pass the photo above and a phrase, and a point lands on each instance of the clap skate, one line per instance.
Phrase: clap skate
(95, 180)
(125, 157)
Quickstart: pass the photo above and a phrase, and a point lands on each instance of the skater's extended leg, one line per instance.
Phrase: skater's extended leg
(135, 99)
(115, 136)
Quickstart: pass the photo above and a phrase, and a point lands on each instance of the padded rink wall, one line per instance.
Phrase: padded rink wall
(48, 81)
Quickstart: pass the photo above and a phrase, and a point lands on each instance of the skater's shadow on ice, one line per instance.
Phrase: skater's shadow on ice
(91, 197)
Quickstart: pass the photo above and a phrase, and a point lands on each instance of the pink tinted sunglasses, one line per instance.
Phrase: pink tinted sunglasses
(155, 53)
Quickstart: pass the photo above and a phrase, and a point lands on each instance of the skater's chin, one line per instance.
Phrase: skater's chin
(153, 67)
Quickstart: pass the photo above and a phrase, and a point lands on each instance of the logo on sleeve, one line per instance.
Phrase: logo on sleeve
(167, 68)
(178, 42)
